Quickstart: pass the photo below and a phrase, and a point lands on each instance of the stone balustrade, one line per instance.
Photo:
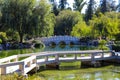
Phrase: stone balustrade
(47, 58)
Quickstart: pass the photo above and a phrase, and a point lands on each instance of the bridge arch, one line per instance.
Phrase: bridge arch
(58, 39)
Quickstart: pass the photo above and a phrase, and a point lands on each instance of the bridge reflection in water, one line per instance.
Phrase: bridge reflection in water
(93, 57)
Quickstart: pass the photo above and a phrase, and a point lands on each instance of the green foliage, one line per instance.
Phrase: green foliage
(16, 15)
(16, 76)
(81, 30)
(65, 22)
(43, 20)
(116, 48)
(103, 48)
(0, 41)
(105, 26)
(102, 44)
(3, 36)
(90, 10)
(55, 9)
(13, 35)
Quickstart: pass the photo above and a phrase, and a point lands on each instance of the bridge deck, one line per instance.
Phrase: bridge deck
(41, 58)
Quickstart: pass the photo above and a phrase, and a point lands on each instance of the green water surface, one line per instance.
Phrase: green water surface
(70, 70)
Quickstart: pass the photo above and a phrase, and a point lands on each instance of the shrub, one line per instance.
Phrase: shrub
(15, 46)
(0, 41)
(13, 35)
(116, 48)
(3, 36)
(102, 42)
(103, 48)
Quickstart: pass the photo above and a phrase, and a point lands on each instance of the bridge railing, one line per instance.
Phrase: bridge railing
(8, 68)
(29, 63)
(32, 60)
(13, 58)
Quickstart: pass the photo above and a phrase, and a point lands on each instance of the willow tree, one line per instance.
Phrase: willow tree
(43, 19)
(16, 15)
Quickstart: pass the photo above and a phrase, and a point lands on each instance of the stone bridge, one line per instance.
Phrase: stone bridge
(12, 64)
(58, 39)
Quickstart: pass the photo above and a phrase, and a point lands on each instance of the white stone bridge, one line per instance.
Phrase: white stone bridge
(11, 64)
(58, 39)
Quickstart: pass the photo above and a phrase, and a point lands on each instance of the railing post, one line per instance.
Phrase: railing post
(33, 61)
(75, 56)
(46, 58)
(16, 59)
(21, 68)
(102, 55)
(29, 63)
(92, 56)
(57, 57)
(2, 70)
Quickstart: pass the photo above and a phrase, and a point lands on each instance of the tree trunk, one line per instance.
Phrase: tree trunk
(21, 37)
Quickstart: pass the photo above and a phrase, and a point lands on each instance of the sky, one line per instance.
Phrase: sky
(83, 10)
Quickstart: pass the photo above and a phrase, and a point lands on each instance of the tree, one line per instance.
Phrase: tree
(65, 21)
(43, 20)
(104, 6)
(81, 30)
(90, 10)
(105, 26)
(62, 4)
(16, 14)
(55, 9)
(78, 5)
(107, 6)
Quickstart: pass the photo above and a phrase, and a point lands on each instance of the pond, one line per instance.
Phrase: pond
(69, 48)
(70, 70)
(6, 53)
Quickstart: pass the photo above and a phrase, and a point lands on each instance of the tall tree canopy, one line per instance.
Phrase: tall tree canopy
(62, 4)
(65, 21)
(78, 5)
(55, 8)
(16, 14)
(90, 10)
(27, 17)
(43, 19)
(104, 6)
(81, 30)
(105, 26)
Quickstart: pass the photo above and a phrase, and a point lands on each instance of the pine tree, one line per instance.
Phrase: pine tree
(78, 5)
(62, 4)
(90, 10)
